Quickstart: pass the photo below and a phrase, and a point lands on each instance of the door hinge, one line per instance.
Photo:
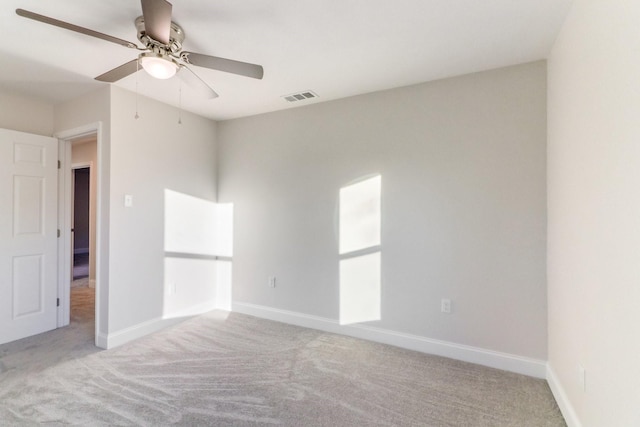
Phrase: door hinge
(59, 165)
(58, 232)
(57, 302)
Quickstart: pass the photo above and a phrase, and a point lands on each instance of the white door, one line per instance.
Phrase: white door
(28, 234)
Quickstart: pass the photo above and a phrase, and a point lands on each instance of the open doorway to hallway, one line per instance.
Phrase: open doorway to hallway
(81, 218)
(81, 146)
(83, 229)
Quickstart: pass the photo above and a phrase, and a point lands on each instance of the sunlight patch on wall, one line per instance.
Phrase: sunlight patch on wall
(197, 232)
(360, 215)
(223, 285)
(224, 249)
(360, 289)
(223, 239)
(190, 287)
(190, 225)
(359, 246)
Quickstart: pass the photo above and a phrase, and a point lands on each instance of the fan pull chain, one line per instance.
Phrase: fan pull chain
(137, 69)
(180, 102)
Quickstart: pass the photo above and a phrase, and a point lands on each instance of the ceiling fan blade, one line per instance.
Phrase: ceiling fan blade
(119, 72)
(187, 75)
(228, 65)
(76, 28)
(157, 19)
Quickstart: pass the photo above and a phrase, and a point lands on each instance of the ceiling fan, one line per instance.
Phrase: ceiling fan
(162, 55)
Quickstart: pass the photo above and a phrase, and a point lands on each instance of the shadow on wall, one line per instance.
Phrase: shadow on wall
(198, 245)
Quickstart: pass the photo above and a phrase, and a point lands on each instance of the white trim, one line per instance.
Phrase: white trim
(80, 131)
(494, 359)
(82, 165)
(64, 224)
(196, 310)
(140, 330)
(134, 332)
(64, 220)
(101, 340)
(568, 412)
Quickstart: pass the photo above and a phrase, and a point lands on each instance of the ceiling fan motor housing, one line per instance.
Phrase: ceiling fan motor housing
(176, 37)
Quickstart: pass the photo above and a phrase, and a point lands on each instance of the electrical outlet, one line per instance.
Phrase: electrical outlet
(272, 281)
(445, 305)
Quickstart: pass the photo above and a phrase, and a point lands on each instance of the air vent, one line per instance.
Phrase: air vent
(300, 96)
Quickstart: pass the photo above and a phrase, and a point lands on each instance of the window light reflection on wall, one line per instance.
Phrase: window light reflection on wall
(359, 247)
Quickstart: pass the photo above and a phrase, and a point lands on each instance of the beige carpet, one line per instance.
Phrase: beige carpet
(238, 370)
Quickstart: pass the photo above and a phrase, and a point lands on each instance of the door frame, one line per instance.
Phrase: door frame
(65, 139)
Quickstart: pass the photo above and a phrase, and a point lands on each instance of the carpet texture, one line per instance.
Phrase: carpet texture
(236, 370)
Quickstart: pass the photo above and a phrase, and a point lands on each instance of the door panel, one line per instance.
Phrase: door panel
(27, 285)
(28, 234)
(28, 209)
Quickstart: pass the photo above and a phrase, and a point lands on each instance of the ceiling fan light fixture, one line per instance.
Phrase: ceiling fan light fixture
(158, 65)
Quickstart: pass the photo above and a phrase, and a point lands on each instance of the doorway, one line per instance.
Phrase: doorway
(80, 231)
(83, 208)
(83, 229)
(82, 147)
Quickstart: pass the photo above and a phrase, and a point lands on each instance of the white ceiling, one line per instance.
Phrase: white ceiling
(336, 48)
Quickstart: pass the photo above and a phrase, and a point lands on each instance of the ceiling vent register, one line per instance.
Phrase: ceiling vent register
(301, 96)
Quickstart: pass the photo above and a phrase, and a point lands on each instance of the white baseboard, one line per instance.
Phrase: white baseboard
(569, 414)
(101, 340)
(134, 332)
(129, 334)
(494, 359)
(196, 310)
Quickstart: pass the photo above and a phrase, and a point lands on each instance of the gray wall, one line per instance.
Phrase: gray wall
(594, 213)
(89, 109)
(463, 186)
(26, 114)
(140, 158)
(147, 159)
